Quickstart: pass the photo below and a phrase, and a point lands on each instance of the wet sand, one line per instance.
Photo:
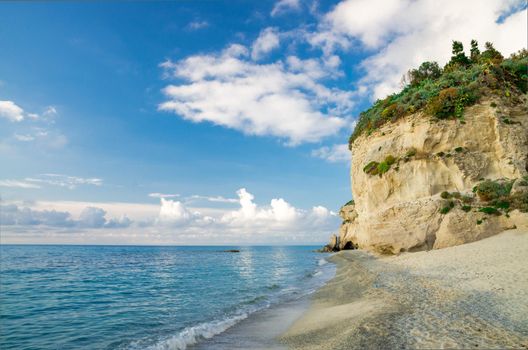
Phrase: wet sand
(473, 296)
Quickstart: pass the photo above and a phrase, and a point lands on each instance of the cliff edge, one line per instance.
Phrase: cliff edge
(422, 182)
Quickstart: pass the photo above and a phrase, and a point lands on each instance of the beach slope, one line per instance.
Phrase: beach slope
(468, 296)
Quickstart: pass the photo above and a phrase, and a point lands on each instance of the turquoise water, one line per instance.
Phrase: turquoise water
(122, 297)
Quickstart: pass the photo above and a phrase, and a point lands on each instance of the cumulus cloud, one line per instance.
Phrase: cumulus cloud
(92, 217)
(230, 90)
(283, 6)
(174, 212)
(174, 222)
(14, 215)
(401, 34)
(11, 111)
(267, 41)
(334, 153)
(89, 218)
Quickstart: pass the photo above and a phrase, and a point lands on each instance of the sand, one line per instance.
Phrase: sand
(470, 296)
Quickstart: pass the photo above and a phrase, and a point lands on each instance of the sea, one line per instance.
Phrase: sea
(146, 297)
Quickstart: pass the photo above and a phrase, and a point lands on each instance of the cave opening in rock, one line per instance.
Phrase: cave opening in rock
(349, 245)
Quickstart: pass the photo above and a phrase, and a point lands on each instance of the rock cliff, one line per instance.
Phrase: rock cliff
(421, 183)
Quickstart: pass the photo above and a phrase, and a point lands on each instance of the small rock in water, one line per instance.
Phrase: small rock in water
(232, 251)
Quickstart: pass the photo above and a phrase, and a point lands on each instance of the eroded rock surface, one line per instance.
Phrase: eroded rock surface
(401, 209)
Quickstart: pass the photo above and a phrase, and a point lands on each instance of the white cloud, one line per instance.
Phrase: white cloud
(61, 180)
(17, 184)
(283, 6)
(267, 41)
(196, 25)
(89, 218)
(333, 154)
(218, 199)
(10, 111)
(163, 195)
(258, 99)
(24, 138)
(50, 111)
(170, 222)
(92, 217)
(403, 33)
(174, 212)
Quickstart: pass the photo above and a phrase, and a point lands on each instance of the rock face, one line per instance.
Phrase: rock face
(403, 210)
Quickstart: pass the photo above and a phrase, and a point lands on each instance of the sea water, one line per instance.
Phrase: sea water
(129, 297)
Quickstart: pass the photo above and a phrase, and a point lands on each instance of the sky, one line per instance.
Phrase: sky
(204, 122)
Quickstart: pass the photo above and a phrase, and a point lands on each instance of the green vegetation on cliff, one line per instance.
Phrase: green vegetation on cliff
(445, 92)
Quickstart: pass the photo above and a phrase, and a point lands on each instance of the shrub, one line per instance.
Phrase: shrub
(427, 70)
(493, 104)
(501, 204)
(371, 168)
(383, 167)
(440, 154)
(443, 105)
(519, 201)
(445, 93)
(466, 199)
(479, 222)
(350, 202)
(489, 190)
(466, 208)
(489, 211)
(445, 210)
(390, 159)
(459, 149)
(411, 152)
(456, 195)
(445, 195)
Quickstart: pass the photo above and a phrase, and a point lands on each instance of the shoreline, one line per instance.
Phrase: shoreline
(261, 329)
(468, 296)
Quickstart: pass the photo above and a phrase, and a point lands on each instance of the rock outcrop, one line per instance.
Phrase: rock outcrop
(425, 199)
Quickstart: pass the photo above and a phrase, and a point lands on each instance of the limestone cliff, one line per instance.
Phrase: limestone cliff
(423, 197)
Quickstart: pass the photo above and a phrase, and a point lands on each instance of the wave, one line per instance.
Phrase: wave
(192, 335)
(207, 330)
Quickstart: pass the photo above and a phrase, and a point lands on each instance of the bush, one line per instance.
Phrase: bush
(519, 201)
(383, 167)
(445, 195)
(390, 159)
(445, 93)
(411, 152)
(459, 149)
(443, 105)
(501, 204)
(350, 202)
(489, 190)
(371, 168)
(445, 210)
(427, 70)
(440, 154)
(490, 211)
(479, 222)
(466, 199)
(466, 208)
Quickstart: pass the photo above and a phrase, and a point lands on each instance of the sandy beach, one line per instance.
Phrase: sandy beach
(469, 296)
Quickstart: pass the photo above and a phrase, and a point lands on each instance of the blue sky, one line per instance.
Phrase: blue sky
(105, 103)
